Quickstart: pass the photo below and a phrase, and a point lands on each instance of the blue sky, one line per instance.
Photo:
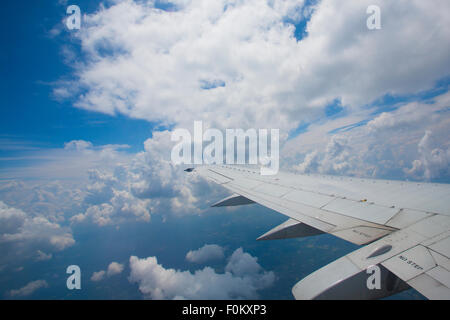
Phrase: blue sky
(34, 62)
(86, 118)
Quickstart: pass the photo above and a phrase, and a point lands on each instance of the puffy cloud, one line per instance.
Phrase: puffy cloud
(23, 236)
(242, 279)
(309, 164)
(234, 63)
(97, 276)
(11, 219)
(206, 253)
(238, 68)
(242, 264)
(130, 187)
(78, 145)
(29, 289)
(337, 158)
(42, 256)
(390, 145)
(434, 162)
(54, 200)
(122, 206)
(114, 268)
(147, 184)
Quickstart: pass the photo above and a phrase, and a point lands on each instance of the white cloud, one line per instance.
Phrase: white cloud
(242, 264)
(242, 279)
(128, 187)
(98, 276)
(151, 64)
(206, 253)
(78, 145)
(147, 184)
(434, 162)
(42, 256)
(11, 219)
(22, 236)
(121, 207)
(29, 289)
(53, 200)
(114, 268)
(409, 142)
(69, 163)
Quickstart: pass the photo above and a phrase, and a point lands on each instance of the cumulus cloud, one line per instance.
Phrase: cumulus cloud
(147, 184)
(242, 264)
(206, 253)
(242, 279)
(240, 61)
(78, 145)
(434, 162)
(127, 188)
(409, 142)
(54, 200)
(119, 208)
(22, 236)
(42, 256)
(114, 268)
(97, 276)
(11, 219)
(29, 289)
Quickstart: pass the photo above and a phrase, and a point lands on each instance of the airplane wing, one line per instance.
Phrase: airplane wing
(405, 227)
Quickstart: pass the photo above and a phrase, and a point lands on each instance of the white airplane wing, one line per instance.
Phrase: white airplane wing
(405, 227)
